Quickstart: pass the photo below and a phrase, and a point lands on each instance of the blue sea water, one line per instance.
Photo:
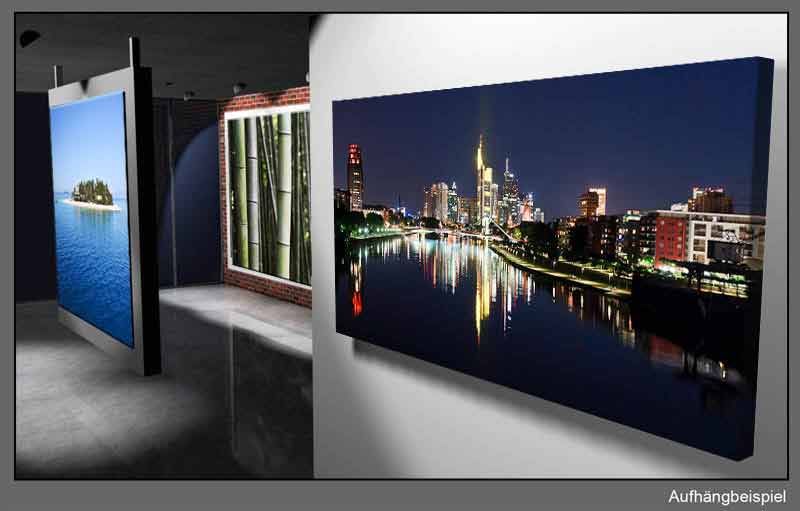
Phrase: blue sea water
(93, 265)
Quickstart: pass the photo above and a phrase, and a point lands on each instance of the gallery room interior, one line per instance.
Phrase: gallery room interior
(555, 267)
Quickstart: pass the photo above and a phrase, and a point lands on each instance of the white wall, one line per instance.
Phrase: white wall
(381, 414)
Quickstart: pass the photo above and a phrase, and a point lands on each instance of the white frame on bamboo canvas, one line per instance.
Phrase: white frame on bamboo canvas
(242, 114)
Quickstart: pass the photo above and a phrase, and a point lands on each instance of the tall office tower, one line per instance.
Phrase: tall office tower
(355, 177)
(601, 200)
(452, 203)
(538, 215)
(511, 196)
(588, 203)
(710, 200)
(439, 201)
(526, 209)
(483, 175)
(427, 202)
(495, 202)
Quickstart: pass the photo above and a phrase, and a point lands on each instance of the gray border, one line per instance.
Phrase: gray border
(527, 495)
(122, 80)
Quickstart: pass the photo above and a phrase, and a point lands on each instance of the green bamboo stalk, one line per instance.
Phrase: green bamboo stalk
(284, 194)
(239, 173)
(253, 192)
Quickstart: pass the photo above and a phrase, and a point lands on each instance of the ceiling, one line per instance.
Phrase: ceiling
(204, 53)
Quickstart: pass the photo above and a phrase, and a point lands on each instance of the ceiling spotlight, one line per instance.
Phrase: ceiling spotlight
(27, 37)
(188, 95)
(169, 84)
(238, 87)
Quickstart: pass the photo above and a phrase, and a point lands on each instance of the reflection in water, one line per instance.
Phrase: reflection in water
(448, 263)
(415, 295)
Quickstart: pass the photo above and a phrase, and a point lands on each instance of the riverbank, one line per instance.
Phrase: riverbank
(89, 205)
(376, 235)
(529, 266)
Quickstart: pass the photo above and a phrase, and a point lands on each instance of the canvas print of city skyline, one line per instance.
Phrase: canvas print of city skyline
(596, 241)
(93, 265)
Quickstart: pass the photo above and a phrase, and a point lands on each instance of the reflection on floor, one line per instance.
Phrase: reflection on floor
(234, 399)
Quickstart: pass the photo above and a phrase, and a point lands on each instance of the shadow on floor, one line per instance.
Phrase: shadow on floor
(229, 404)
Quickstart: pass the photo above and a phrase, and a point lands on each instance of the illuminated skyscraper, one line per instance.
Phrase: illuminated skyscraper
(452, 203)
(511, 201)
(355, 177)
(483, 174)
(601, 200)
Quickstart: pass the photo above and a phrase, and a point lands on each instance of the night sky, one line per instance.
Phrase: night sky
(647, 135)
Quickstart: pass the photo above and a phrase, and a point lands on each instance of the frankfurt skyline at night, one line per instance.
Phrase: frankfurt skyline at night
(562, 140)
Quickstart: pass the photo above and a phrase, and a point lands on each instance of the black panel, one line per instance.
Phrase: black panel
(34, 246)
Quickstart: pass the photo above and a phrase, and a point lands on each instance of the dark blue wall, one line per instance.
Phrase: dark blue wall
(196, 237)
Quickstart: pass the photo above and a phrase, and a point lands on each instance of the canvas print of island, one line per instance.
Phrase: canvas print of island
(91, 213)
(596, 241)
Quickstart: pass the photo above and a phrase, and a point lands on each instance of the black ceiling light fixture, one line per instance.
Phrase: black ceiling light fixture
(27, 37)
(238, 87)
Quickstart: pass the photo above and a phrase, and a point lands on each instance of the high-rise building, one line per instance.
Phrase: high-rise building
(495, 202)
(467, 210)
(439, 201)
(452, 203)
(427, 202)
(588, 203)
(510, 197)
(601, 200)
(538, 215)
(710, 200)
(355, 177)
(483, 174)
(341, 198)
(526, 209)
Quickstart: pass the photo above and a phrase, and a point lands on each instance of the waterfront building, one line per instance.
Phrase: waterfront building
(439, 197)
(377, 209)
(711, 237)
(538, 215)
(588, 203)
(341, 199)
(710, 200)
(679, 206)
(646, 238)
(355, 177)
(628, 233)
(602, 236)
(467, 210)
(671, 229)
(563, 227)
(452, 204)
(602, 195)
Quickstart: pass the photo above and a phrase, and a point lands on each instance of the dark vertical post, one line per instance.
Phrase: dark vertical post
(58, 76)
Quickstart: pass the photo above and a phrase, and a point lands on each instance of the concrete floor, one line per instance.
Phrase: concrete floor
(233, 401)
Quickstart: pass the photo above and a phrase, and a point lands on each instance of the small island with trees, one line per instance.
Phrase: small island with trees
(94, 194)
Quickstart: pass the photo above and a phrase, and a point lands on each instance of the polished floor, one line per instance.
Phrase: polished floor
(233, 401)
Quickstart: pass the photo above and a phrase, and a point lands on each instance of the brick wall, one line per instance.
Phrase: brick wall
(271, 287)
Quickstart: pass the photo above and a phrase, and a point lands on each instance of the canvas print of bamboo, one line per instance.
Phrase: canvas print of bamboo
(268, 195)
(597, 241)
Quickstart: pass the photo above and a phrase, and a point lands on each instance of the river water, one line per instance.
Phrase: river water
(459, 305)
